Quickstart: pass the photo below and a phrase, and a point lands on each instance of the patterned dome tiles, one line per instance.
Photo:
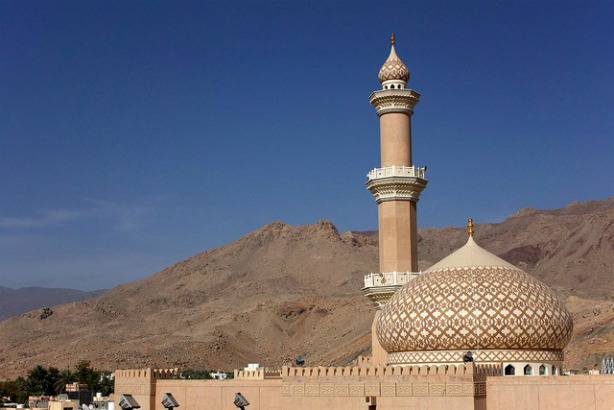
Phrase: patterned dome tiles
(393, 68)
(496, 307)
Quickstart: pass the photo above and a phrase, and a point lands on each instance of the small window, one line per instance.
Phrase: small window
(509, 370)
(528, 370)
(542, 370)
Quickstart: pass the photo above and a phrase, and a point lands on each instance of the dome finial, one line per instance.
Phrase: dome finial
(470, 230)
(394, 69)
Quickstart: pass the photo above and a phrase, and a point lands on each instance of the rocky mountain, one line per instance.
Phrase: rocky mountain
(16, 301)
(282, 291)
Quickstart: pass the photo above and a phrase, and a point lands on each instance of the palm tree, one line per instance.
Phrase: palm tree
(36, 382)
(65, 377)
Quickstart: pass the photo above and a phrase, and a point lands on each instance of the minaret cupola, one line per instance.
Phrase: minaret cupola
(394, 73)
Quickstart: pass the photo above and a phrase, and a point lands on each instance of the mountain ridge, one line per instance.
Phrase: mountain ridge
(284, 290)
(14, 301)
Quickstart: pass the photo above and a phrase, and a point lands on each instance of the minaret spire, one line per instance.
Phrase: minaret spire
(394, 73)
(470, 229)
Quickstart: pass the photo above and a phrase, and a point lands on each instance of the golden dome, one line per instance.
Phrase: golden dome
(474, 300)
(393, 68)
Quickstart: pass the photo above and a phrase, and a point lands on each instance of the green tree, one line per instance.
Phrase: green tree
(195, 374)
(106, 386)
(53, 375)
(64, 377)
(85, 374)
(36, 383)
(14, 390)
(48, 382)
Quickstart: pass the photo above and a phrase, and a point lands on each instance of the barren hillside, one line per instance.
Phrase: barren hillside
(16, 301)
(283, 290)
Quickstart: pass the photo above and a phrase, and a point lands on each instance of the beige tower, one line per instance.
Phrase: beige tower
(396, 187)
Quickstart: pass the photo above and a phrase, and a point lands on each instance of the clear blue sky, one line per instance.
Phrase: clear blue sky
(134, 134)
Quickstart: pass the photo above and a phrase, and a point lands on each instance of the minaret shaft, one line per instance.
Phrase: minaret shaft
(397, 219)
(395, 139)
(398, 244)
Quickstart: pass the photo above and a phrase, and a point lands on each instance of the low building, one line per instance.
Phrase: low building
(64, 405)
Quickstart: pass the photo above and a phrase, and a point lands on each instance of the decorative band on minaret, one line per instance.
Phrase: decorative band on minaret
(397, 185)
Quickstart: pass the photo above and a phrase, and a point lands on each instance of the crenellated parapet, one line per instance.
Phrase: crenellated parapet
(385, 381)
(146, 374)
(484, 370)
(257, 374)
(133, 374)
(375, 371)
(166, 373)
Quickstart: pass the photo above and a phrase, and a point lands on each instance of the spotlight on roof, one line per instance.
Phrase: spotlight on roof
(468, 357)
(127, 402)
(299, 361)
(169, 402)
(240, 401)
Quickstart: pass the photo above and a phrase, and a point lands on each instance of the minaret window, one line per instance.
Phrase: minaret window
(528, 370)
(509, 370)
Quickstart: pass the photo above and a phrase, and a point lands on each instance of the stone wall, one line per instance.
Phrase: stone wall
(219, 395)
(550, 392)
(140, 383)
(391, 388)
(463, 387)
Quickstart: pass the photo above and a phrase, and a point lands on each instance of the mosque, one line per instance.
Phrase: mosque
(471, 332)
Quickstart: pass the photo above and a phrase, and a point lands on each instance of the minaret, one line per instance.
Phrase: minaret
(396, 186)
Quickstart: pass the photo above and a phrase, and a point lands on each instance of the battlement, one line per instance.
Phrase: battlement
(363, 360)
(133, 374)
(483, 370)
(384, 381)
(257, 374)
(166, 373)
(367, 370)
(146, 374)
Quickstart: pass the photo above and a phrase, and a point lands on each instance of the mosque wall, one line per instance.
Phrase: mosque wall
(367, 387)
(140, 383)
(219, 395)
(550, 392)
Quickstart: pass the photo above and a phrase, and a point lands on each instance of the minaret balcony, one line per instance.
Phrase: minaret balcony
(379, 287)
(396, 183)
(386, 101)
(400, 171)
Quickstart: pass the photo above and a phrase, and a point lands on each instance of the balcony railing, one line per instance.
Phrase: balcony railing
(397, 171)
(389, 278)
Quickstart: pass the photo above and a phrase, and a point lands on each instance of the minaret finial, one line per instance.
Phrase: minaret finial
(392, 39)
(470, 230)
